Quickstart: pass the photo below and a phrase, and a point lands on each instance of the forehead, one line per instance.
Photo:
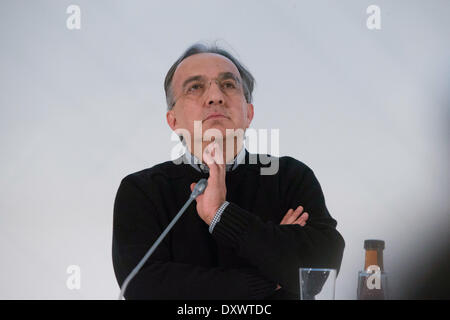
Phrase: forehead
(204, 64)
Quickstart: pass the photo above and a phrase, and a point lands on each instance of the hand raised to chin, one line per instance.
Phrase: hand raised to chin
(215, 193)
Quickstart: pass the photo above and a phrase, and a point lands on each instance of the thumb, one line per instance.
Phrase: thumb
(192, 186)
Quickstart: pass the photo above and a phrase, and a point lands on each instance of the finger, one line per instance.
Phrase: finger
(213, 170)
(207, 154)
(216, 169)
(303, 217)
(286, 216)
(210, 154)
(217, 155)
(295, 214)
(302, 220)
(192, 186)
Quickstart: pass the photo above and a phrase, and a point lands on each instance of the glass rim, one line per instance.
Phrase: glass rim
(317, 269)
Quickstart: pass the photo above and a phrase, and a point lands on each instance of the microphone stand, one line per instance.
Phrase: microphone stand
(198, 190)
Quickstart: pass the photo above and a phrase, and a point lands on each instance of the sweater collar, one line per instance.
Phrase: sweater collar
(201, 167)
(180, 168)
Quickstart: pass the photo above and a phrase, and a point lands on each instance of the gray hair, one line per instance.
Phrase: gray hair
(248, 81)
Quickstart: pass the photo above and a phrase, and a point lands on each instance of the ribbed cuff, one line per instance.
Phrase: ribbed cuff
(232, 225)
(259, 287)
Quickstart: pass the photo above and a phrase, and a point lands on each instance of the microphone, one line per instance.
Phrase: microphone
(198, 190)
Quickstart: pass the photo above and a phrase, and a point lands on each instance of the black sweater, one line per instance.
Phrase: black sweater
(248, 252)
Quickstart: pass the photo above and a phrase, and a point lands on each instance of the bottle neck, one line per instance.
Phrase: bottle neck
(374, 257)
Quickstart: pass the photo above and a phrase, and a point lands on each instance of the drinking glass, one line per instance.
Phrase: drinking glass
(317, 284)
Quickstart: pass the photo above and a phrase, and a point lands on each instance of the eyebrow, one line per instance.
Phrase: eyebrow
(191, 79)
(222, 76)
(228, 75)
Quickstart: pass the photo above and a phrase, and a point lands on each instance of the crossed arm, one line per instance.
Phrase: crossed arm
(277, 251)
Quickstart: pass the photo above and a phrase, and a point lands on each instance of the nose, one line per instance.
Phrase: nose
(214, 94)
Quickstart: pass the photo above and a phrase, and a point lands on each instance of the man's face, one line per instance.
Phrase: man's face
(208, 88)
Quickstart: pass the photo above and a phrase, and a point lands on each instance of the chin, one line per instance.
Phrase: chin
(218, 124)
(212, 130)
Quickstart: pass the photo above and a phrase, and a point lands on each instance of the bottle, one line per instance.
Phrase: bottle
(372, 281)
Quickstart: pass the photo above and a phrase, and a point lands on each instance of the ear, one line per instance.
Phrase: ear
(250, 113)
(171, 119)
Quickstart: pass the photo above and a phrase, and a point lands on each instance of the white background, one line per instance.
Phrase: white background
(367, 110)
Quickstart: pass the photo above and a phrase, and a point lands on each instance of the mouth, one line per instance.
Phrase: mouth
(215, 116)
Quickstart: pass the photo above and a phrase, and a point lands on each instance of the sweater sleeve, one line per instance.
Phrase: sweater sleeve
(136, 228)
(278, 251)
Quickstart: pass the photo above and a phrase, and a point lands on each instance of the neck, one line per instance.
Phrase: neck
(230, 148)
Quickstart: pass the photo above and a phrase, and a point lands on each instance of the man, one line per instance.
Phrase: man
(249, 233)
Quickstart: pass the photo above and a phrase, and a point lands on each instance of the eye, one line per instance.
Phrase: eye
(195, 87)
(229, 85)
